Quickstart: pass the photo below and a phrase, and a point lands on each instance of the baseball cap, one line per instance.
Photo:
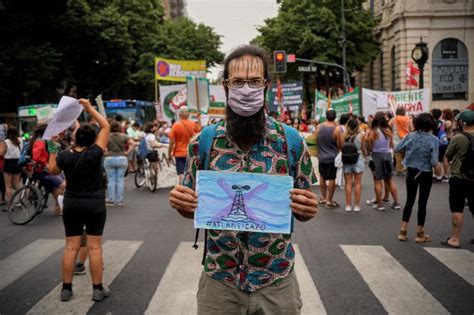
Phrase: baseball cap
(467, 117)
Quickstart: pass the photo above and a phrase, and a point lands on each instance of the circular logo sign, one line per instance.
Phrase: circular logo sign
(162, 68)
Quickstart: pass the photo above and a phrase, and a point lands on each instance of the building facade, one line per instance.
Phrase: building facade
(174, 8)
(447, 26)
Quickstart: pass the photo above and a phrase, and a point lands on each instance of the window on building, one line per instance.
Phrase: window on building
(381, 71)
(450, 73)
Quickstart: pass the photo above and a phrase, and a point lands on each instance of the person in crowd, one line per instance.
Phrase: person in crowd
(116, 163)
(10, 150)
(39, 152)
(163, 133)
(379, 145)
(181, 132)
(133, 133)
(448, 118)
(80, 268)
(456, 129)
(401, 125)
(441, 133)
(247, 137)
(362, 124)
(125, 125)
(421, 155)
(296, 124)
(152, 144)
(353, 172)
(461, 183)
(84, 201)
(329, 143)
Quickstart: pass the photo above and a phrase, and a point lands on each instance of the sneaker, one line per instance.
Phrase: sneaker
(110, 204)
(66, 295)
(348, 208)
(445, 179)
(386, 200)
(379, 207)
(396, 206)
(80, 269)
(370, 202)
(437, 179)
(120, 203)
(357, 208)
(99, 295)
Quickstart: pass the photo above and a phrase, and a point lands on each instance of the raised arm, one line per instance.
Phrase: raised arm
(103, 136)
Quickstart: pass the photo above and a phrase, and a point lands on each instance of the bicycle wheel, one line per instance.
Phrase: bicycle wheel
(24, 204)
(44, 198)
(152, 180)
(140, 176)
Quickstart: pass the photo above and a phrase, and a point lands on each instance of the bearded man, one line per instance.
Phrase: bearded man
(259, 277)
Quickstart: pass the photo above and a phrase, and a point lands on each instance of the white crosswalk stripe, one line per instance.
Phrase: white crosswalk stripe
(396, 289)
(460, 261)
(116, 256)
(25, 259)
(182, 275)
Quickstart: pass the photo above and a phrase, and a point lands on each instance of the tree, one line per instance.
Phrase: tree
(311, 29)
(102, 46)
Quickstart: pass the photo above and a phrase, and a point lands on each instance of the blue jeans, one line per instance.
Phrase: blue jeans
(115, 167)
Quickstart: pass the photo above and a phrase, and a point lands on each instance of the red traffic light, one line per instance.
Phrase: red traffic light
(279, 56)
(279, 59)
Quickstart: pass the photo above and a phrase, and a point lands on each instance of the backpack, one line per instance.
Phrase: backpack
(441, 134)
(142, 149)
(24, 157)
(40, 154)
(206, 139)
(350, 154)
(467, 166)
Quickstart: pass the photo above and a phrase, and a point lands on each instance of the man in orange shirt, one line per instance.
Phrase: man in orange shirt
(181, 132)
(401, 126)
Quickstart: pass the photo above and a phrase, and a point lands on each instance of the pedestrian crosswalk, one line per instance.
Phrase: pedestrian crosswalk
(397, 290)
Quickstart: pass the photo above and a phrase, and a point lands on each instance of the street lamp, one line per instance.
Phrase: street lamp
(420, 54)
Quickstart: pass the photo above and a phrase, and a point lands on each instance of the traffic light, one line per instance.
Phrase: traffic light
(279, 59)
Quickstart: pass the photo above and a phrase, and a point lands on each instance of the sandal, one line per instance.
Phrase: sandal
(446, 243)
(332, 205)
(422, 238)
(402, 236)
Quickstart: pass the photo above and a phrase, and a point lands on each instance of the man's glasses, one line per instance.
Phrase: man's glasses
(238, 83)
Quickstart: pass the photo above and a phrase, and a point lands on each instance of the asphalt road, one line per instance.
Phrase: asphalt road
(373, 276)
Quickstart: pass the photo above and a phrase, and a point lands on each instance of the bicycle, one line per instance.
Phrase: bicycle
(146, 175)
(28, 201)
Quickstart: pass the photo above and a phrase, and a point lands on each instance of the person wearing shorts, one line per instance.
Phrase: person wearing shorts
(379, 145)
(329, 142)
(84, 200)
(181, 132)
(353, 172)
(10, 149)
(460, 187)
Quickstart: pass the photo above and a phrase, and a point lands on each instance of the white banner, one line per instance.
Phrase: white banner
(414, 101)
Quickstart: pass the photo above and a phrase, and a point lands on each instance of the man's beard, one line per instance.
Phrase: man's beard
(245, 131)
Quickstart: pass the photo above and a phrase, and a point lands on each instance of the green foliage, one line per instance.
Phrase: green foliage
(102, 46)
(311, 29)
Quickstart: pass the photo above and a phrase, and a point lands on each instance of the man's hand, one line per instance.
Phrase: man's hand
(304, 204)
(184, 200)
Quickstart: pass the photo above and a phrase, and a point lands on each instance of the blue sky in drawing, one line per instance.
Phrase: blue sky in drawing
(267, 202)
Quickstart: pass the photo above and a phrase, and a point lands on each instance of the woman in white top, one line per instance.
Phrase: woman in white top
(11, 150)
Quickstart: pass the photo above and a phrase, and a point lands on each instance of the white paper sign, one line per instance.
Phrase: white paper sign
(67, 112)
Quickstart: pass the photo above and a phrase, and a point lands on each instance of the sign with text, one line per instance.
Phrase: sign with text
(243, 202)
(348, 103)
(197, 94)
(292, 96)
(450, 77)
(414, 101)
(178, 70)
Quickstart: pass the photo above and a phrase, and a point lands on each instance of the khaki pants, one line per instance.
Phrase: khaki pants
(215, 297)
(398, 163)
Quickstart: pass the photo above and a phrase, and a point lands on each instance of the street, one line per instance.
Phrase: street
(349, 262)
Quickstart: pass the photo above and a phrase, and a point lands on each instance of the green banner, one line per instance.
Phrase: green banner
(348, 103)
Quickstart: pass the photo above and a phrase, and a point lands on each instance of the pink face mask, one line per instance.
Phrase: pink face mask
(246, 101)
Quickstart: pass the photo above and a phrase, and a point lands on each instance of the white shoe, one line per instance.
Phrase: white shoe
(357, 209)
(348, 208)
(371, 202)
